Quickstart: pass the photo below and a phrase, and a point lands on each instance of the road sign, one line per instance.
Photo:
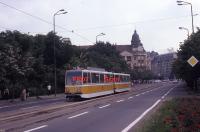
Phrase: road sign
(192, 61)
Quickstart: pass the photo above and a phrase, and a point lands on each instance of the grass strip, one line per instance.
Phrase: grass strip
(176, 115)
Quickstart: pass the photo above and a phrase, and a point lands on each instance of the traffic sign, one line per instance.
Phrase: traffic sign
(192, 61)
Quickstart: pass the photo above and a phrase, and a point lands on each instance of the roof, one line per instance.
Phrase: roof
(122, 48)
(93, 71)
(135, 41)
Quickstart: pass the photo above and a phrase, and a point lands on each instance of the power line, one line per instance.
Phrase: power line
(36, 17)
(44, 33)
(131, 23)
(43, 20)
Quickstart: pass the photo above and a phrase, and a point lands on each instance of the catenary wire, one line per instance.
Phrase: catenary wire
(43, 20)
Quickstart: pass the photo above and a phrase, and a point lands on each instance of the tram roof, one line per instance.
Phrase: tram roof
(93, 71)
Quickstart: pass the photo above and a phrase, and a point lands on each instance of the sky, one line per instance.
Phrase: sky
(156, 21)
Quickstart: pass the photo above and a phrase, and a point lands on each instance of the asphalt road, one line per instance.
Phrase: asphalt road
(34, 104)
(116, 116)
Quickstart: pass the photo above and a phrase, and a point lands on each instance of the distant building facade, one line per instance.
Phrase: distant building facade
(138, 59)
(161, 65)
(134, 54)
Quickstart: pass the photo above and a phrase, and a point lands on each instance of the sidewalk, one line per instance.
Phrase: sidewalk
(31, 99)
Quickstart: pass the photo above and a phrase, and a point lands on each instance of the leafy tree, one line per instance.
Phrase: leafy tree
(27, 61)
(15, 59)
(105, 55)
(183, 70)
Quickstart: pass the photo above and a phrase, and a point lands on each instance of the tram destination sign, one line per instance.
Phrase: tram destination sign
(192, 61)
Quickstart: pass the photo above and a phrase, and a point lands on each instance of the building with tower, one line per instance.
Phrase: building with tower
(135, 54)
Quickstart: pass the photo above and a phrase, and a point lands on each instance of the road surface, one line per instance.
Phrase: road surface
(119, 115)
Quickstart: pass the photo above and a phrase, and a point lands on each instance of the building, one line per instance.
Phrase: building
(135, 54)
(162, 65)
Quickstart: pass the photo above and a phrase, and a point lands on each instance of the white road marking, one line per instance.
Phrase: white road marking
(130, 97)
(120, 101)
(140, 117)
(30, 107)
(145, 112)
(4, 107)
(78, 115)
(104, 106)
(137, 95)
(167, 93)
(30, 130)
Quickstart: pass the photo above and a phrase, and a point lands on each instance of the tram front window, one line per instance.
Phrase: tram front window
(74, 78)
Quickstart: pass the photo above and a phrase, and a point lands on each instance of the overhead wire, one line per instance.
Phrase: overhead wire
(131, 23)
(90, 28)
(43, 20)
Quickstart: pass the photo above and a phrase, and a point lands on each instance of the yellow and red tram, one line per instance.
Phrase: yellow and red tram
(91, 83)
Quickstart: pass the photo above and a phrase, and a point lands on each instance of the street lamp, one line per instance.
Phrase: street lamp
(179, 2)
(62, 11)
(101, 34)
(183, 28)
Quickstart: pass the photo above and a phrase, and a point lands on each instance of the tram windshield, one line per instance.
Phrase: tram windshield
(74, 78)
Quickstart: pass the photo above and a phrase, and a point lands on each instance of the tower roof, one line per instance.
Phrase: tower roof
(135, 42)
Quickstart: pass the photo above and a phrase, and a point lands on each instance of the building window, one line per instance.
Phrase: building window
(128, 58)
(124, 57)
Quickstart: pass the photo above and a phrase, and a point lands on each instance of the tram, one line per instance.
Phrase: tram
(93, 83)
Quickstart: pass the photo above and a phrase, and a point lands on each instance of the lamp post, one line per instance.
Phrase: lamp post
(62, 11)
(183, 28)
(179, 2)
(101, 34)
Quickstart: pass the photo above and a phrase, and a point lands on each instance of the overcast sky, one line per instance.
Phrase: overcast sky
(156, 21)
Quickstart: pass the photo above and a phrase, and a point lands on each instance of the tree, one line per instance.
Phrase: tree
(183, 70)
(15, 58)
(26, 61)
(105, 55)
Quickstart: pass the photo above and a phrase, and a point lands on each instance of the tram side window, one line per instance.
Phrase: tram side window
(95, 77)
(89, 78)
(74, 78)
(117, 78)
(85, 77)
(128, 78)
(111, 78)
(122, 78)
(106, 78)
(101, 78)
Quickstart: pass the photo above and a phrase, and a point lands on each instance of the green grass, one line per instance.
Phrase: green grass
(176, 115)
